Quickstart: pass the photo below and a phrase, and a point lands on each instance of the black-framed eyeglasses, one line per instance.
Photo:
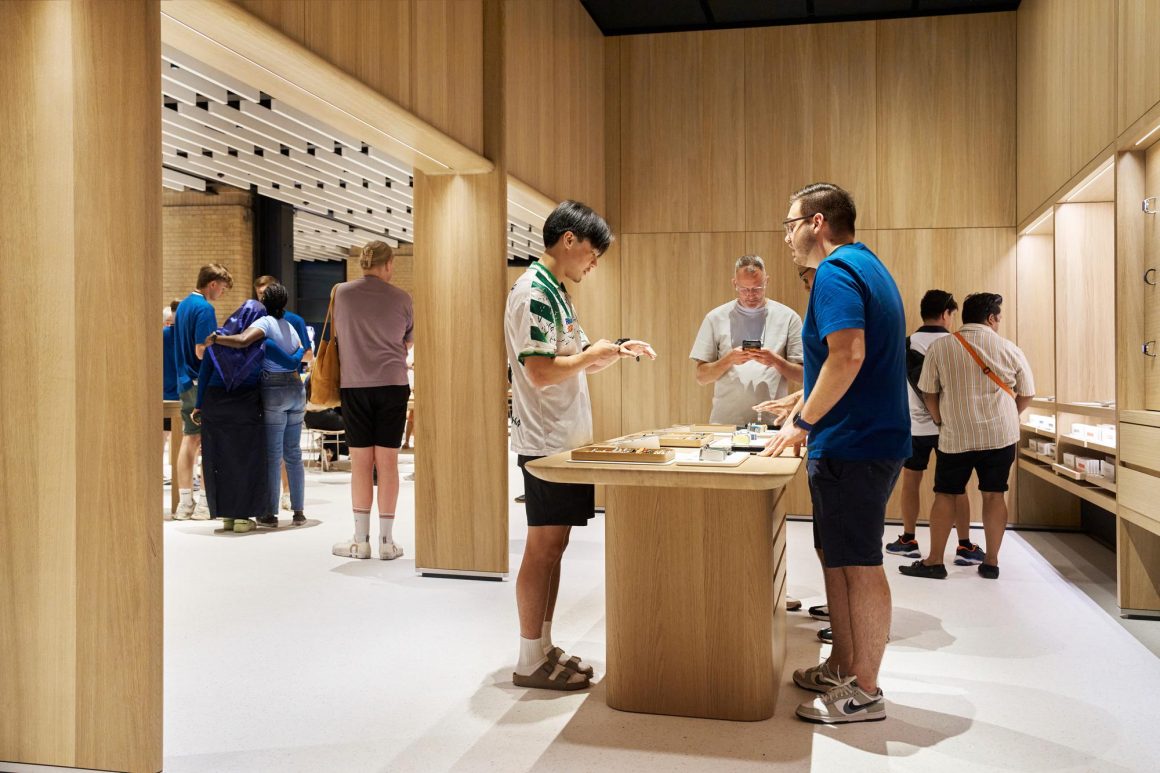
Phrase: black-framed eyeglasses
(785, 223)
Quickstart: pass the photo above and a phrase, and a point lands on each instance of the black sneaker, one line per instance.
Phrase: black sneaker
(826, 635)
(904, 547)
(299, 519)
(522, 498)
(969, 556)
(919, 569)
(989, 572)
(820, 612)
(270, 521)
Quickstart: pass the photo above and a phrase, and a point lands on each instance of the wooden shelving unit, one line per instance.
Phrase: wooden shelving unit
(1097, 496)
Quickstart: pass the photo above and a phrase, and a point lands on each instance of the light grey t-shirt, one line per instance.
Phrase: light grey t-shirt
(282, 333)
(373, 322)
(745, 385)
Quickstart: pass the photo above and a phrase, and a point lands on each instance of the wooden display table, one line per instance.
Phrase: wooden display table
(695, 591)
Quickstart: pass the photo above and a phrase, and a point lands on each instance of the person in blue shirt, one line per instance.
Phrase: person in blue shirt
(194, 319)
(857, 422)
(168, 358)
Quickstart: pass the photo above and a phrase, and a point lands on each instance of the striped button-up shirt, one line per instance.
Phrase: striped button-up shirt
(976, 414)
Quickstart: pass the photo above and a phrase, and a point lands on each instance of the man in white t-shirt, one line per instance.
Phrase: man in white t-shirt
(938, 309)
(550, 357)
(749, 349)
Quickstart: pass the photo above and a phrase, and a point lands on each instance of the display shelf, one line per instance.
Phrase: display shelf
(1042, 458)
(1039, 402)
(1097, 496)
(1042, 432)
(1093, 445)
(1067, 472)
(1100, 481)
(1083, 409)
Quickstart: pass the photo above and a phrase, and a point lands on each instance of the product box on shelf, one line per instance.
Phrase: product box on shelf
(1069, 460)
(1107, 434)
(1045, 423)
(1108, 470)
(1047, 448)
(1088, 465)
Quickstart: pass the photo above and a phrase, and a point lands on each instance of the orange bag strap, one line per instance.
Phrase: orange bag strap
(986, 369)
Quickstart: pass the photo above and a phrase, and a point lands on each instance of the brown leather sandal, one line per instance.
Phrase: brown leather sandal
(572, 663)
(542, 679)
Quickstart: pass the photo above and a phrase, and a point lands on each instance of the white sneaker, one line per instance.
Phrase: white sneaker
(201, 512)
(184, 511)
(389, 551)
(286, 501)
(352, 549)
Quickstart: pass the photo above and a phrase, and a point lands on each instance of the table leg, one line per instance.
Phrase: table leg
(695, 601)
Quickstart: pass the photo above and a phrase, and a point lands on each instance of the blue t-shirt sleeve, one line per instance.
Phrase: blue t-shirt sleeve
(837, 301)
(203, 324)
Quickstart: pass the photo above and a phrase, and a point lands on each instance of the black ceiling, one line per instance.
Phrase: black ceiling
(631, 17)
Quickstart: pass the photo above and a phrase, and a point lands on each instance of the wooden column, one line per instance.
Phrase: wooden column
(461, 501)
(80, 386)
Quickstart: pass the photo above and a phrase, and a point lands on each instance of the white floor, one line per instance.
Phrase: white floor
(281, 657)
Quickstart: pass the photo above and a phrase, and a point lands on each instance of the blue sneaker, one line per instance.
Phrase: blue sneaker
(969, 556)
(904, 547)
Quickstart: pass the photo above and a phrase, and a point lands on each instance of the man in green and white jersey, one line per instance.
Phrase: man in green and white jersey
(550, 357)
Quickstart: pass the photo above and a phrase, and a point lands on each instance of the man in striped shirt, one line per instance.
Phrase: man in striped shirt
(975, 384)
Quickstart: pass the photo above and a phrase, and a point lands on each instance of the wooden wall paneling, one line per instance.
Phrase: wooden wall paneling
(1132, 259)
(682, 132)
(1137, 66)
(370, 40)
(448, 81)
(80, 608)
(1035, 328)
(802, 123)
(530, 71)
(1085, 360)
(946, 121)
(667, 311)
(1042, 55)
(461, 509)
(1150, 294)
(598, 302)
(1090, 121)
(612, 134)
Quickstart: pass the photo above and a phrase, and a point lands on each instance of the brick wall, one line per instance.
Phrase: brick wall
(199, 228)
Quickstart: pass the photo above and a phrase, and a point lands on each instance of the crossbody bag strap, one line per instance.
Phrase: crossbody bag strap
(986, 369)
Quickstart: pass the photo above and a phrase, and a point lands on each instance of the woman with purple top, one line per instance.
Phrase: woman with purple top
(373, 321)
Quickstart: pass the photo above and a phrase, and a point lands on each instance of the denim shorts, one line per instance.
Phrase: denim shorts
(849, 498)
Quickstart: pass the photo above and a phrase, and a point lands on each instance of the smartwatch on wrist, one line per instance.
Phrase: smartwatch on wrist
(801, 423)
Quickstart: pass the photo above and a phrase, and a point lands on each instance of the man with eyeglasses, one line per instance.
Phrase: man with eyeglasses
(857, 422)
(749, 349)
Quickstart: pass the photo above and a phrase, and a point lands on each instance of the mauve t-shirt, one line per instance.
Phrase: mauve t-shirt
(373, 321)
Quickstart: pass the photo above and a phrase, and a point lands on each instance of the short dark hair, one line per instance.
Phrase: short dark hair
(978, 307)
(582, 221)
(274, 298)
(173, 304)
(935, 303)
(835, 204)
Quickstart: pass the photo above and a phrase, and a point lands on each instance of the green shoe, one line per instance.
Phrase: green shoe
(243, 525)
(227, 524)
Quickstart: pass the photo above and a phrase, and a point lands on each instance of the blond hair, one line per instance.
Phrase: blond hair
(375, 254)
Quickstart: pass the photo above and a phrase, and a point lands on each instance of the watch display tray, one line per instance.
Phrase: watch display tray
(623, 454)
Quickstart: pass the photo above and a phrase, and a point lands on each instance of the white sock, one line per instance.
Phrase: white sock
(531, 656)
(546, 636)
(362, 525)
(186, 496)
(386, 527)
(201, 497)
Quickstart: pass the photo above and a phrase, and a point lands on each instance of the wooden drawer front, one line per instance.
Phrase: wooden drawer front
(1140, 445)
(1140, 492)
(1148, 523)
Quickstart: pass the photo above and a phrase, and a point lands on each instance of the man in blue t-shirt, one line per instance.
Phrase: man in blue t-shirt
(193, 321)
(857, 422)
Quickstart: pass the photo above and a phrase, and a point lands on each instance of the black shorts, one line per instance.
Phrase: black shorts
(993, 466)
(556, 504)
(849, 500)
(920, 448)
(375, 416)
